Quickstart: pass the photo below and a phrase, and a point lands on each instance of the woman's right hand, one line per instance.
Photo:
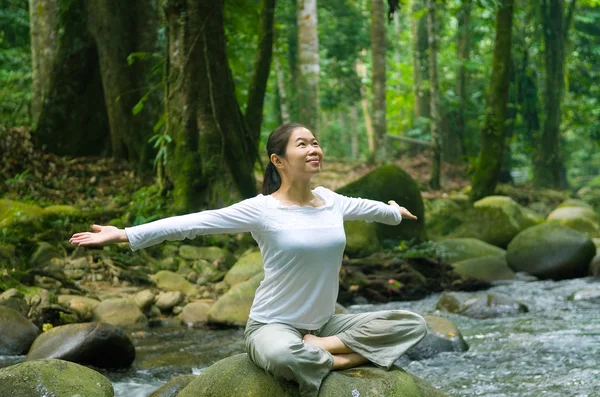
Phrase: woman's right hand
(102, 235)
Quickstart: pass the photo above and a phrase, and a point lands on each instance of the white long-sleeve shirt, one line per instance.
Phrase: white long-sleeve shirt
(302, 248)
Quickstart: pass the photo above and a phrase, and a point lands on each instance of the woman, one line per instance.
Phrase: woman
(292, 331)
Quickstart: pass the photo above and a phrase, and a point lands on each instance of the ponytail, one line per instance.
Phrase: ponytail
(272, 180)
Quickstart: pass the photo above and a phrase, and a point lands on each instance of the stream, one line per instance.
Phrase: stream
(552, 351)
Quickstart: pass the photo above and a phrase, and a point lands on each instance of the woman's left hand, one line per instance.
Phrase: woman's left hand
(403, 211)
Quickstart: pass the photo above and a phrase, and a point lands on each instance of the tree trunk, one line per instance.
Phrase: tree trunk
(436, 135)
(463, 49)
(308, 65)
(283, 98)
(68, 112)
(527, 98)
(211, 160)
(505, 175)
(420, 59)
(548, 163)
(354, 133)
(119, 29)
(490, 157)
(262, 67)
(378, 53)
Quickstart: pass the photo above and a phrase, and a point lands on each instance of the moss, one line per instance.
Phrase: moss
(392, 183)
(459, 249)
(443, 216)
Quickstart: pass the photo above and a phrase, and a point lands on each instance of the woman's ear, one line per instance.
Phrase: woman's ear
(276, 160)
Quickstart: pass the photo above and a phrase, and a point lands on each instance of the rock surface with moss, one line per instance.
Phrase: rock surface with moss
(56, 378)
(459, 249)
(238, 376)
(17, 333)
(485, 268)
(443, 336)
(386, 183)
(174, 386)
(362, 238)
(581, 218)
(233, 308)
(246, 267)
(551, 251)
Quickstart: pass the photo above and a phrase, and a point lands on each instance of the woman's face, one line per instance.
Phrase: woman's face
(303, 155)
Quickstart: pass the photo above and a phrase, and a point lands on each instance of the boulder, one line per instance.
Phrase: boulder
(551, 251)
(17, 333)
(443, 216)
(56, 378)
(174, 386)
(480, 306)
(574, 203)
(494, 219)
(233, 308)
(14, 211)
(586, 294)
(144, 299)
(249, 264)
(15, 300)
(386, 183)
(81, 305)
(170, 281)
(166, 301)
(44, 253)
(95, 344)
(119, 312)
(361, 238)
(458, 249)
(237, 375)
(217, 256)
(595, 266)
(485, 268)
(582, 219)
(443, 336)
(196, 313)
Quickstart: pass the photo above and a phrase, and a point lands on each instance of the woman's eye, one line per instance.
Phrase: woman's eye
(315, 143)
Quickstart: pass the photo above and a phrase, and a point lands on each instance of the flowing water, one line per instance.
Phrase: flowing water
(552, 351)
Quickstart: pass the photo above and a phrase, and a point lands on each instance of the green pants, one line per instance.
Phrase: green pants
(381, 337)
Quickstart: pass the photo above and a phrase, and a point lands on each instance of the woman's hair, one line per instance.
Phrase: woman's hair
(276, 144)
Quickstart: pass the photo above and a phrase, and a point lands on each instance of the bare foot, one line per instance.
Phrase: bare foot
(314, 340)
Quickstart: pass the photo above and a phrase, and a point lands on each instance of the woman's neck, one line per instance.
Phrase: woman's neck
(299, 192)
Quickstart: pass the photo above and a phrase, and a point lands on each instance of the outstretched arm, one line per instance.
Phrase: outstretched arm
(403, 211)
(102, 235)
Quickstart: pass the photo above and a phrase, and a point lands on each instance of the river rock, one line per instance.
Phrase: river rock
(480, 306)
(459, 249)
(485, 268)
(95, 344)
(165, 301)
(169, 281)
(444, 215)
(443, 336)
(595, 266)
(174, 386)
(494, 219)
(386, 183)
(17, 333)
(81, 305)
(119, 312)
(249, 264)
(44, 253)
(145, 299)
(53, 378)
(574, 203)
(551, 251)
(217, 256)
(196, 313)
(15, 300)
(237, 375)
(361, 238)
(586, 294)
(582, 219)
(233, 308)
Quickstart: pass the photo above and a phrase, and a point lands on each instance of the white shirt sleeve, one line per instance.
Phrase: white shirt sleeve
(355, 209)
(244, 216)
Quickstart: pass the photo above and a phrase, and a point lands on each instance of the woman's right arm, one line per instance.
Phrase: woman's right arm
(244, 216)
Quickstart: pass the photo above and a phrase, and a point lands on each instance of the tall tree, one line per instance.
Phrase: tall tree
(308, 65)
(490, 156)
(463, 49)
(436, 133)
(378, 54)
(211, 161)
(548, 163)
(420, 57)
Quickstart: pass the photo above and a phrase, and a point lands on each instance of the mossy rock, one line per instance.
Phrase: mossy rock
(238, 376)
(174, 386)
(494, 219)
(119, 312)
(15, 211)
(460, 249)
(245, 268)
(17, 333)
(574, 203)
(582, 219)
(443, 216)
(170, 281)
(361, 238)
(386, 183)
(56, 378)
(233, 308)
(551, 251)
(485, 268)
(443, 336)
(215, 255)
(480, 306)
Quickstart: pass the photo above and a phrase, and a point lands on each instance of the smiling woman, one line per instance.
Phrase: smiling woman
(292, 331)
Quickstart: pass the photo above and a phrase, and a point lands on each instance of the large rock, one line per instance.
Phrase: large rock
(245, 268)
(551, 251)
(459, 249)
(119, 312)
(582, 219)
(443, 336)
(14, 211)
(444, 216)
(15, 300)
(17, 333)
(485, 268)
(169, 281)
(392, 183)
(217, 256)
(595, 266)
(196, 313)
(165, 301)
(53, 378)
(81, 305)
(96, 344)
(480, 305)
(362, 238)
(495, 220)
(174, 386)
(237, 376)
(233, 308)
